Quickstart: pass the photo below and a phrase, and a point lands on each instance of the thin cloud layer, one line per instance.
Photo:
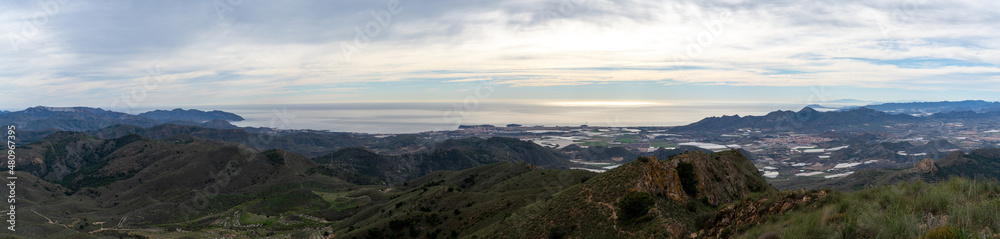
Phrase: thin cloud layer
(102, 54)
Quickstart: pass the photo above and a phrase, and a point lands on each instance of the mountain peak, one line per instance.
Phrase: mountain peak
(924, 166)
(807, 109)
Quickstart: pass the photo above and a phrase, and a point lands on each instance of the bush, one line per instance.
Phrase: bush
(375, 233)
(274, 157)
(689, 180)
(397, 225)
(557, 232)
(634, 206)
(941, 232)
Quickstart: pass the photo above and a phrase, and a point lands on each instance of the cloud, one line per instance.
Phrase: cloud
(93, 52)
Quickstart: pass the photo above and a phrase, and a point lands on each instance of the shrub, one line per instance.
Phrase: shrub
(274, 157)
(397, 224)
(940, 232)
(634, 206)
(689, 180)
(557, 232)
(375, 233)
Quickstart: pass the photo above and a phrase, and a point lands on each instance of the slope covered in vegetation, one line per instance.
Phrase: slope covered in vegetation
(956, 208)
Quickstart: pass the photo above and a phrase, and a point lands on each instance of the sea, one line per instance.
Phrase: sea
(413, 117)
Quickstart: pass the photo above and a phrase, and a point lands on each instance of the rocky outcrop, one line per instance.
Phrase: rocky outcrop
(722, 177)
(925, 166)
(662, 197)
(719, 178)
(656, 178)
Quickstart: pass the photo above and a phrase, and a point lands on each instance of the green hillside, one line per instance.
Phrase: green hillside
(955, 208)
(79, 186)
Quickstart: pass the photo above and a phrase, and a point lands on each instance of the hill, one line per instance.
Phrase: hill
(133, 184)
(187, 187)
(307, 143)
(42, 118)
(805, 120)
(600, 153)
(190, 115)
(362, 166)
(644, 198)
(890, 151)
(954, 208)
(451, 204)
(927, 108)
(70, 118)
(137, 182)
(977, 164)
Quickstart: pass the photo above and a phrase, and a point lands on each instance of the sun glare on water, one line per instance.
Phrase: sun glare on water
(601, 103)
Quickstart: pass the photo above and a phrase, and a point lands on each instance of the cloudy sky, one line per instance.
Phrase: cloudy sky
(114, 54)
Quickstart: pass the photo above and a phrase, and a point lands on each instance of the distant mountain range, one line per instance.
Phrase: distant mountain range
(71, 118)
(928, 108)
(42, 118)
(805, 120)
(84, 118)
(856, 119)
(844, 102)
(190, 115)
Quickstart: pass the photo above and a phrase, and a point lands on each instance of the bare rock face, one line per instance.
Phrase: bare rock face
(721, 177)
(659, 180)
(924, 167)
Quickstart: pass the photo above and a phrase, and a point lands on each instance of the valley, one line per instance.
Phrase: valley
(194, 180)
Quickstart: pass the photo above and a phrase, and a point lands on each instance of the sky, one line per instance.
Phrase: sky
(131, 54)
